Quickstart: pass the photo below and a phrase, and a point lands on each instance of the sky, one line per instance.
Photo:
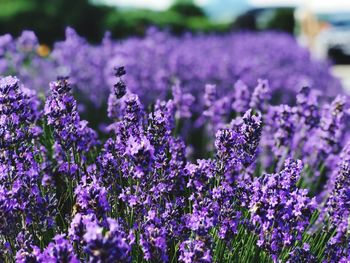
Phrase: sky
(151, 4)
(226, 9)
(316, 6)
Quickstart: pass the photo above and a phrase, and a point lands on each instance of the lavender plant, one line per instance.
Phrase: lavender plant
(140, 197)
(273, 185)
(159, 61)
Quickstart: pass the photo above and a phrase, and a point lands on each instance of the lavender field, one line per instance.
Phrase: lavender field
(196, 148)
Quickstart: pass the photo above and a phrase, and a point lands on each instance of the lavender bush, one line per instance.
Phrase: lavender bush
(273, 188)
(216, 150)
(160, 61)
(161, 66)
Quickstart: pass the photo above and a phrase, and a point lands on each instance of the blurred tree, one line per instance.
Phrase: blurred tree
(283, 20)
(245, 21)
(187, 8)
(183, 16)
(49, 18)
(274, 18)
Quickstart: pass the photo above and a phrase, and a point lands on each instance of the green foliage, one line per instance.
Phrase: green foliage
(176, 20)
(282, 20)
(187, 9)
(50, 18)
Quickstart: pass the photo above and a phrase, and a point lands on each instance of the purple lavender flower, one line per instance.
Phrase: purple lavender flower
(338, 202)
(203, 217)
(23, 256)
(161, 123)
(19, 112)
(250, 126)
(307, 107)
(55, 182)
(301, 255)
(119, 87)
(77, 227)
(153, 238)
(280, 211)
(217, 111)
(260, 95)
(27, 41)
(338, 209)
(183, 102)
(106, 245)
(209, 95)
(241, 97)
(194, 250)
(114, 107)
(61, 250)
(229, 216)
(159, 59)
(237, 146)
(61, 113)
(22, 202)
(332, 124)
(338, 246)
(85, 64)
(92, 198)
(133, 113)
(281, 125)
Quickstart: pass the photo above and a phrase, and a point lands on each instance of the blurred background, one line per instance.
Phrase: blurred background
(322, 26)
